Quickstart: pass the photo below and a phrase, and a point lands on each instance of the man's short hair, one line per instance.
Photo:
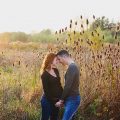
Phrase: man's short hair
(63, 53)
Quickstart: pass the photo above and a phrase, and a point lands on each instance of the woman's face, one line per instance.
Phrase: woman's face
(55, 62)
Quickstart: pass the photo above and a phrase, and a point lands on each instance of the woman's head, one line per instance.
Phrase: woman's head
(50, 61)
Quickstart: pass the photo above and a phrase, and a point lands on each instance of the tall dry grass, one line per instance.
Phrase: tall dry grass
(99, 63)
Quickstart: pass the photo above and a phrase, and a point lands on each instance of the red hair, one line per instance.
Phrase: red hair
(46, 65)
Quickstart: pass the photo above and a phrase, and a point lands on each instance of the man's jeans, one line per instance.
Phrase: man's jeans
(48, 110)
(71, 106)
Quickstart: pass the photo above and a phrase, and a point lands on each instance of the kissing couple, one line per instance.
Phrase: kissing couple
(54, 96)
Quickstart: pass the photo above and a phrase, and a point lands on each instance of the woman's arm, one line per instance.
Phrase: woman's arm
(45, 84)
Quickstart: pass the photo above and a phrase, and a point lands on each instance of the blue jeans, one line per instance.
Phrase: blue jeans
(71, 105)
(48, 109)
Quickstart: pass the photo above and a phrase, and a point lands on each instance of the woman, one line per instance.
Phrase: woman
(51, 86)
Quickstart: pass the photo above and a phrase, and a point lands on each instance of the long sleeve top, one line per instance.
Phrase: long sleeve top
(51, 85)
(71, 87)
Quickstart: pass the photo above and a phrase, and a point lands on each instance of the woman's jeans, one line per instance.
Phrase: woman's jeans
(48, 109)
(71, 106)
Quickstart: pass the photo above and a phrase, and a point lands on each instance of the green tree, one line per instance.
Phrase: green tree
(102, 22)
(43, 36)
(19, 36)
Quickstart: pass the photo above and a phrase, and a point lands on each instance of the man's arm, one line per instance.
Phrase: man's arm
(68, 84)
(70, 77)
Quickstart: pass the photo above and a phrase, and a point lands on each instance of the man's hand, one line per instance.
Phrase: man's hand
(59, 103)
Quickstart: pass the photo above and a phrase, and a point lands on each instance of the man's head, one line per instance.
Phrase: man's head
(63, 57)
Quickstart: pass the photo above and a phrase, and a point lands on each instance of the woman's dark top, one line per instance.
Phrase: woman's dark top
(52, 86)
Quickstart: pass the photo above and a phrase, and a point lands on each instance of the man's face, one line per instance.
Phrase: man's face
(61, 59)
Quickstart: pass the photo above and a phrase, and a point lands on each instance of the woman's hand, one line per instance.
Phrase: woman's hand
(59, 103)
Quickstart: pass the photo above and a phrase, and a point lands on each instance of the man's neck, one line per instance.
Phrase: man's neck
(70, 62)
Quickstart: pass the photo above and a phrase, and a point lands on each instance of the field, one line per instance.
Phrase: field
(99, 63)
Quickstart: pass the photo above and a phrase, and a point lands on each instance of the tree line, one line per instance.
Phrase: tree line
(110, 29)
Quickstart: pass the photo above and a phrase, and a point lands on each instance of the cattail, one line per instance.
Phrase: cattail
(76, 23)
(103, 37)
(81, 17)
(57, 39)
(19, 63)
(110, 49)
(56, 32)
(70, 21)
(81, 25)
(102, 45)
(118, 43)
(97, 56)
(70, 25)
(91, 42)
(59, 31)
(66, 40)
(87, 42)
(62, 30)
(80, 33)
(69, 35)
(118, 28)
(97, 25)
(74, 32)
(93, 57)
(65, 28)
(77, 43)
(103, 17)
(116, 35)
(13, 64)
(92, 34)
(87, 22)
(93, 16)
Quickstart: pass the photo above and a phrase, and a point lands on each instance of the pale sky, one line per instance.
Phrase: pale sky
(35, 15)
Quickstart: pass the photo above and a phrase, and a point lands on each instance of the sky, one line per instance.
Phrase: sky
(35, 15)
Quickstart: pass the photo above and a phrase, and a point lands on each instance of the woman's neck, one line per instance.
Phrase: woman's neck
(52, 72)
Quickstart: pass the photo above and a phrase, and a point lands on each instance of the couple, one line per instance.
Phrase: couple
(54, 95)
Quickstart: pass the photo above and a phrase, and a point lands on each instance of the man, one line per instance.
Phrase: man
(70, 96)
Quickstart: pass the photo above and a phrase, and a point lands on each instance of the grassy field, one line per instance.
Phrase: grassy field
(98, 61)
(20, 86)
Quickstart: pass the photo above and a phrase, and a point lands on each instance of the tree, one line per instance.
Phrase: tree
(4, 37)
(19, 36)
(102, 22)
(43, 36)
